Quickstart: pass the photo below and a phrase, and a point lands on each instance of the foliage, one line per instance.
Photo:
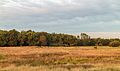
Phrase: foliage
(32, 38)
(114, 43)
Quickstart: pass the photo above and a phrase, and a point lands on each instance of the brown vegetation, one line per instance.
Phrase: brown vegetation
(67, 58)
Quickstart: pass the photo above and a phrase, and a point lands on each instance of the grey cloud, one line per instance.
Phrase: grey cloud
(60, 15)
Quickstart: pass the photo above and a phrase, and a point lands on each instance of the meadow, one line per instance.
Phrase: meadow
(33, 58)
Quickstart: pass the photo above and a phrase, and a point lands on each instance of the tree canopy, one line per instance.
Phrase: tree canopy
(32, 38)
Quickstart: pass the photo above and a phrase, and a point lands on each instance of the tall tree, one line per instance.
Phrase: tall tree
(42, 40)
(12, 38)
(84, 36)
(3, 39)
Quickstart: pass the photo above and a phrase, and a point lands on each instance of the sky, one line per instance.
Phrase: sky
(61, 16)
(107, 35)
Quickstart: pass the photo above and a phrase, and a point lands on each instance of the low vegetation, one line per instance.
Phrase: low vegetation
(2, 56)
(60, 59)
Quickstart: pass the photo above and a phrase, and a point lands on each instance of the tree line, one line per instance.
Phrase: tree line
(32, 38)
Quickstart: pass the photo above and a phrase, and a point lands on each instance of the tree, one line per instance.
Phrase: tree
(22, 38)
(3, 40)
(79, 42)
(84, 36)
(114, 44)
(12, 38)
(99, 42)
(42, 40)
(31, 38)
(105, 42)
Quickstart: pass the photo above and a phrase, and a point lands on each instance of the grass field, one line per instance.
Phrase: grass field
(59, 59)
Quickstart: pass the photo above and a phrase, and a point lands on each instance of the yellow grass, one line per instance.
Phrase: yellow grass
(59, 59)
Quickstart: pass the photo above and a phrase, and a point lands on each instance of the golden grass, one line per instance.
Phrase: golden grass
(60, 59)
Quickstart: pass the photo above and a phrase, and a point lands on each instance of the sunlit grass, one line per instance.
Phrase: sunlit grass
(60, 59)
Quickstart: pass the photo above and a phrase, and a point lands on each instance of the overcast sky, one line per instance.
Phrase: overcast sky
(65, 16)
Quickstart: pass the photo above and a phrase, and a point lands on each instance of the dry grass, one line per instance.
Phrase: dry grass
(59, 59)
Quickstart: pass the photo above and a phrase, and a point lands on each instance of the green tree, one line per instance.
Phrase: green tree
(114, 44)
(12, 38)
(3, 40)
(84, 36)
(42, 40)
(31, 37)
(23, 38)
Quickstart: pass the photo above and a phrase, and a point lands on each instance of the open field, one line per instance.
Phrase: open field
(59, 59)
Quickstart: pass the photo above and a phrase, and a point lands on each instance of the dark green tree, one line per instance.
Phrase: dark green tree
(12, 38)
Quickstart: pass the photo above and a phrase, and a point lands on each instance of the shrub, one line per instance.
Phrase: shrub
(114, 44)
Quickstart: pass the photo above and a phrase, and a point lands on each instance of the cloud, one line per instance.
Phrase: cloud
(71, 16)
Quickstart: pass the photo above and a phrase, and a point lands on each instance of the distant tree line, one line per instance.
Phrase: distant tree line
(32, 38)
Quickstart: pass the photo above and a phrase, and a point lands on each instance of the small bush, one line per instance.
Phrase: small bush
(114, 44)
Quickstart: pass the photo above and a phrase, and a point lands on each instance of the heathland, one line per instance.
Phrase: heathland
(34, 58)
